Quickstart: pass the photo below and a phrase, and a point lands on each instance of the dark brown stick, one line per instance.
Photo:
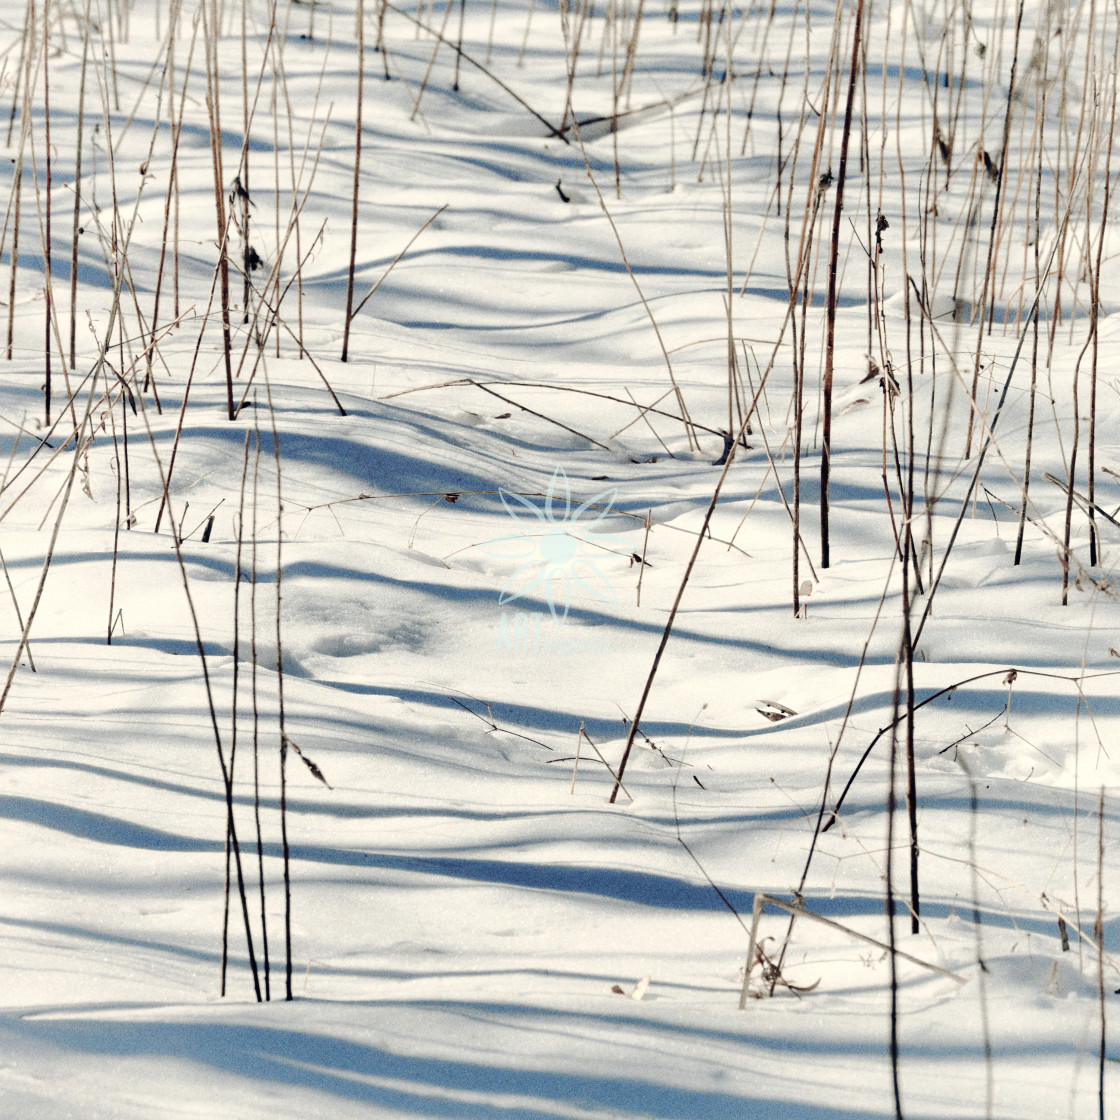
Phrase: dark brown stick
(357, 182)
(834, 285)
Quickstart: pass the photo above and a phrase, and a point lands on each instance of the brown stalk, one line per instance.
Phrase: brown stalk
(638, 288)
(78, 188)
(1091, 465)
(233, 698)
(1098, 930)
(833, 287)
(171, 200)
(1034, 325)
(17, 174)
(986, 291)
(357, 182)
(286, 850)
(421, 26)
(49, 288)
(256, 708)
(211, 31)
(24, 49)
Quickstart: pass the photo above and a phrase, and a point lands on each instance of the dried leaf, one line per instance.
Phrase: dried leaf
(315, 771)
(777, 711)
(802, 987)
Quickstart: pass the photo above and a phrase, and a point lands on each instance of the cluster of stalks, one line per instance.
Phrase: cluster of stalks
(945, 171)
(115, 390)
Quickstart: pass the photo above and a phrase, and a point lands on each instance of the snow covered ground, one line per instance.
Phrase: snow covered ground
(477, 529)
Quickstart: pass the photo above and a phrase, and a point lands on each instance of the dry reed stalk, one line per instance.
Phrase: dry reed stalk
(459, 45)
(47, 247)
(256, 705)
(421, 26)
(988, 280)
(295, 227)
(728, 238)
(573, 40)
(908, 487)
(357, 181)
(67, 490)
(906, 660)
(43, 211)
(888, 880)
(978, 934)
(27, 89)
(117, 471)
(638, 288)
(397, 259)
(798, 281)
(78, 185)
(111, 52)
(280, 712)
(757, 51)
(15, 607)
(171, 197)
(274, 106)
(165, 496)
(211, 37)
(798, 350)
(240, 198)
(274, 320)
(231, 832)
(20, 68)
(798, 910)
(440, 40)
(833, 286)
(243, 175)
(631, 56)
(652, 409)
(227, 773)
(380, 46)
(989, 438)
(1091, 465)
(1075, 680)
(81, 437)
(1071, 169)
(234, 684)
(525, 37)
(678, 598)
(1098, 931)
(121, 492)
(608, 23)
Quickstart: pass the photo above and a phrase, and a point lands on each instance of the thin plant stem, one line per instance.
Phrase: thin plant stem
(78, 187)
(834, 287)
(286, 850)
(357, 183)
(256, 709)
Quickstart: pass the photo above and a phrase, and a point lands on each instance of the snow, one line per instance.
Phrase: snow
(476, 564)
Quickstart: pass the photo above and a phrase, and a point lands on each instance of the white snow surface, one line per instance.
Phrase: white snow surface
(476, 931)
